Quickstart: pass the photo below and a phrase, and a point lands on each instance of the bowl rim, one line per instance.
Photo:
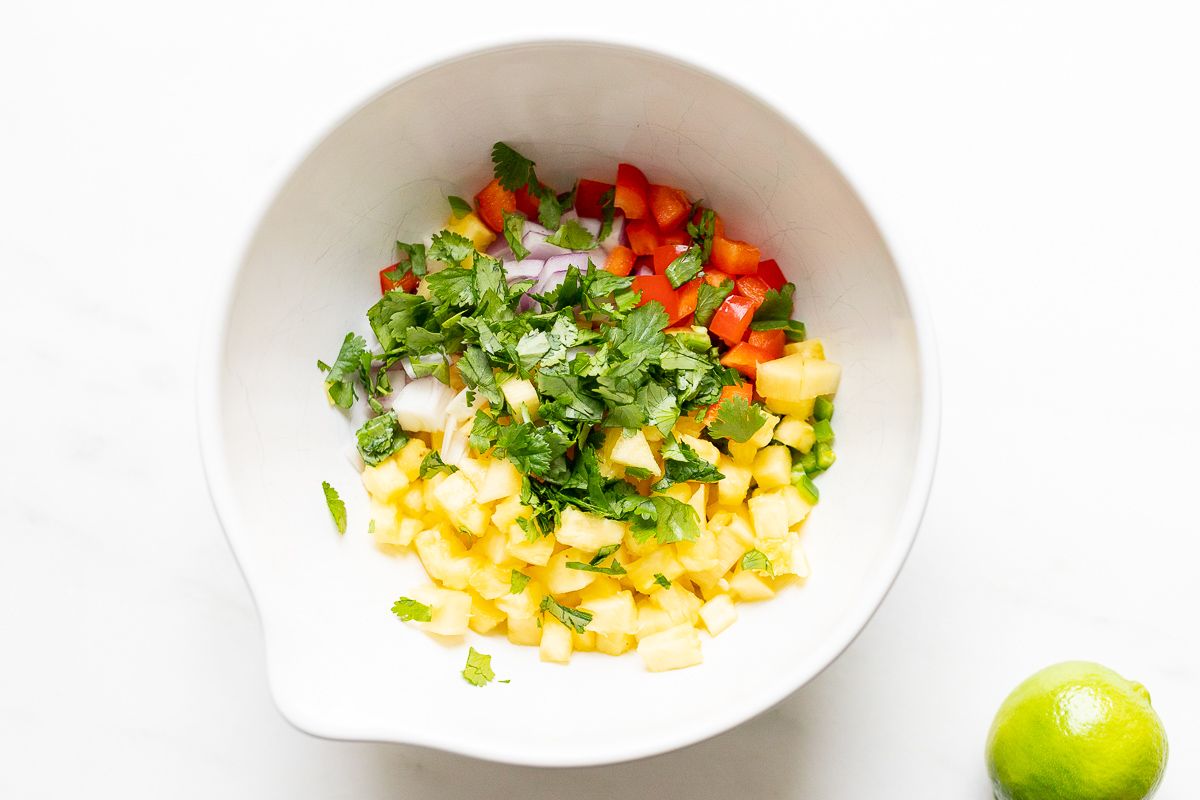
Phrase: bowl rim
(213, 339)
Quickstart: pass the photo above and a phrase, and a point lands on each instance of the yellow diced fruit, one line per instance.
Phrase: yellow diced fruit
(770, 515)
(696, 501)
(493, 547)
(699, 555)
(472, 227)
(614, 644)
(502, 481)
(385, 522)
(820, 378)
(475, 471)
(809, 348)
(454, 493)
(385, 480)
(484, 615)
(762, 436)
(524, 630)
(491, 581)
(520, 392)
(637, 549)
(802, 409)
(444, 558)
(588, 532)
(652, 434)
(556, 643)
(525, 603)
(710, 590)
(783, 377)
(603, 586)
(773, 467)
(413, 501)
(613, 615)
(673, 648)
(583, 642)
(472, 518)
(680, 605)
(537, 552)
(796, 433)
(742, 453)
(718, 613)
(688, 425)
(797, 506)
(660, 562)
(449, 610)
(429, 487)
(651, 620)
(739, 526)
(604, 455)
(705, 449)
(731, 490)
(786, 556)
(508, 512)
(632, 450)
(410, 457)
(749, 586)
(560, 579)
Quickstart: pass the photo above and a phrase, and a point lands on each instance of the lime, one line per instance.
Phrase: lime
(1076, 731)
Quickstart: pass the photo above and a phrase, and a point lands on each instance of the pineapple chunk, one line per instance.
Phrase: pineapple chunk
(673, 648)
(687, 425)
(491, 581)
(474, 470)
(493, 547)
(748, 586)
(612, 615)
(556, 643)
(472, 227)
(525, 603)
(731, 490)
(820, 378)
(651, 620)
(679, 604)
(385, 523)
(699, 555)
(632, 450)
(588, 532)
(783, 377)
(453, 493)
(603, 586)
(637, 549)
(444, 558)
(770, 514)
(518, 392)
(742, 453)
(705, 449)
(450, 611)
(583, 642)
(500, 482)
(738, 524)
(385, 480)
(762, 436)
(786, 556)
(795, 433)
(773, 467)
(484, 615)
(410, 457)
(793, 408)
(718, 613)
(614, 644)
(604, 454)
(537, 552)
(560, 579)
(472, 518)
(413, 502)
(508, 512)
(660, 562)
(797, 506)
(524, 630)
(696, 501)
(809, 348)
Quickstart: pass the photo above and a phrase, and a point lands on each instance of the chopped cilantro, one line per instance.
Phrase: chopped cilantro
(409, 610)
(484, 432)
(615, 568)
(476, 371)
(458, 207)
(517, 582)
(379, 437)
(681, 464)
(756, 560)
(685, 266)
(607, 213)
(709, 299)
(478, 671)
(661, 580)
(572, 236)
(513, 170)
(451, 248)
(340, 377)
(337, 508)
(775, 313)
(573, 618)
(666, 519)
(736, 420)
(702, 230)
(432, 464)
(514, 227)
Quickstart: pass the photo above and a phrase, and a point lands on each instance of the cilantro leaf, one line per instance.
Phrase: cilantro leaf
(478, 671)
(666, 519)
(453, 286)
(604, 552)
(380, 437)
(684, 267)
(574, 618)
(736, 420)
(703, 230)
(393, 316)
(709, 299)
(337, 508)
(476, 372)
(524, 445)
(607, 212)
(572, 236)
(340, 378)
(661, 407)
(550, 208)
(458, 207)
(514, 227)
(682, 464)
(409, 610)
(432, 464)
(484, 431)
(615, 568)
(412, 259)
(756, 560)
(775, 313)
(451, 248)
(513, 170)
(517, 582)
(661, 580)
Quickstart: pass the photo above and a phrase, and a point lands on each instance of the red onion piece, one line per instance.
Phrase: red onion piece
(526, 268)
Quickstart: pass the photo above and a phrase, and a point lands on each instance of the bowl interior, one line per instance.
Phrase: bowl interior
(340, 664)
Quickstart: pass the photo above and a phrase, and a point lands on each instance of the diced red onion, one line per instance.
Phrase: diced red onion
(616, 236)
(406, 363)
(535, 242)
(525, 268)
(564, 262)
(643, 269)
(500, 249)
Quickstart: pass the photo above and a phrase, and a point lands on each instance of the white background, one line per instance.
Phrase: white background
(1039, 163)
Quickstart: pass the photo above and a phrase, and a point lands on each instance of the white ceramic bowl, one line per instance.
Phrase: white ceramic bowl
(340, 664)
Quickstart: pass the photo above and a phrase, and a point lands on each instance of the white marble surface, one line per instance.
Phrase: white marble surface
(1037, 161)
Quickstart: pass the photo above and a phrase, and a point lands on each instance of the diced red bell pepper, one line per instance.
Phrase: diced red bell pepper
(527, 204)
(714, 277)
(657, 287)
(742, 390)
(492, 201)
(632, 194)
(408, 283)
(620, 260)
(732, 318)
(669, 206)
(664, 254)
(753, 287)
(587, 197)
(675, 237)
(745, 357)
(734, 257)
(771, 274)
(688, 293)
(643, 237)
(770, 342)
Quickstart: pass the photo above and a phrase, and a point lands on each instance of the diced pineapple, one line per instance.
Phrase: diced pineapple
(762, 436)
(651, 620)
(660, 562)
(604, 454)
(560, 579)
(797, 506)
(491, 581)
(696, 501)
(673, 648)
(783, 377)
(611, 615)
(475, 471)
(556, 643)
(603, 586)
(493, 547)
(710, 590)
(773, 467)
(699, 555)
(809, 348)
(472, 518)
(786, 556)
(472, 227)
(688, 425)
(520, 392)
(680, 604)
(450, 611)
(413, 501)
(588, 532)
(614, 644)
(385, 480)
(739, 525)
(410, 457)
(637, 549)
(524, 630)
(502, 481)
(583, 642)
(385, 522)
(718, 613)
(444, 557)
(484, 615)
(795, 433)
(632, 450)
(454, 493)
(652, 434)
(705, 449)
(803, 409)
(742, 453)
(731, 490)
(820, 378)
(749, 586)
(508, 512)
(536, 552)
(429, 487)
(770, 515)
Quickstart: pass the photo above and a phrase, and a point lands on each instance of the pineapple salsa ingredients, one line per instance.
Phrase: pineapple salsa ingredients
(599, 430)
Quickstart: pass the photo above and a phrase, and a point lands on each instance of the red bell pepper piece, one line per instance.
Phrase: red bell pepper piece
(669, 207)
(408, 283)
(527, 204)
(620, 260)
(714, 277)
(742, 390)
(771, 274)
(688, 293)
(632, 194)
(587, 197)
(753, 287)
(745, 357)
(643, 237)
(732, 318)
(492, 201)
(675, 237)
(657, 287)
(733, 256)
(770, 342)
(664, 254)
